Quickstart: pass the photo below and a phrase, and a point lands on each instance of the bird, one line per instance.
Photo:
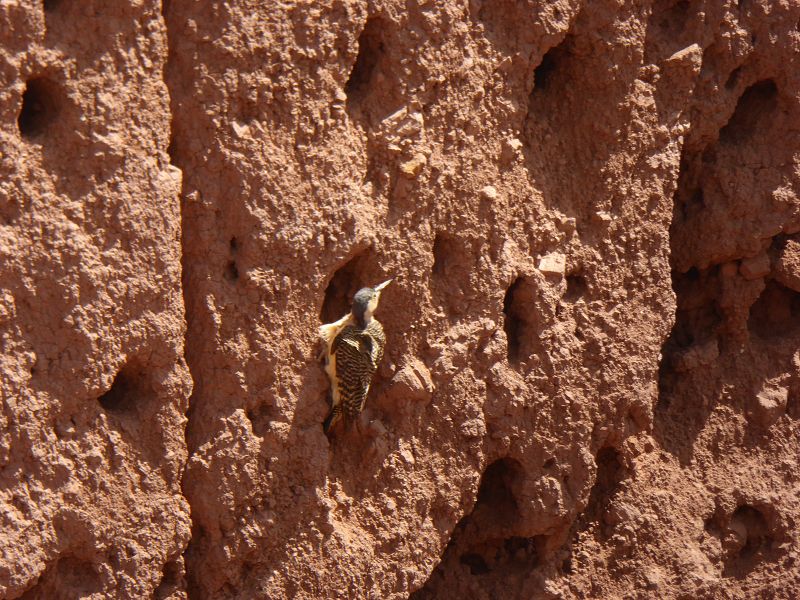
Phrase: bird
(352, 348)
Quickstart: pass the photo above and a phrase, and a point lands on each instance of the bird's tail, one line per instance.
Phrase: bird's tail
(331, 419)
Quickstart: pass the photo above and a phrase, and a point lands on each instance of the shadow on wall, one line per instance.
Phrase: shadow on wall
(693, 343)
(486, 551)
(66, 577)
(720, 307)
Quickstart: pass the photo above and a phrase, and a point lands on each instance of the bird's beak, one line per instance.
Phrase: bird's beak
(380, 286)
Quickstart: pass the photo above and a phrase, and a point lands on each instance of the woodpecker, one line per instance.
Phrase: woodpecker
(352, 348)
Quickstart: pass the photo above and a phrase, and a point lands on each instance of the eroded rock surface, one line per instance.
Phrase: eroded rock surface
(94, 384)
(591, 213)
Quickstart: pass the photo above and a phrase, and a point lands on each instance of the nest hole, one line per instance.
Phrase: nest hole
(520, 323)
(610, 473)
(750, 541)
(697, 317)
(496, 492)
(754, 111)
(757, 532)
(370, 50)
(260, 418)
(129, 390)
(444, 249)
(41, 104)
(346, 281)
(543, 74)
(487, 542)
(776, 312)
(172, 580)
(231, 271)
(576, 287)
(475, 562)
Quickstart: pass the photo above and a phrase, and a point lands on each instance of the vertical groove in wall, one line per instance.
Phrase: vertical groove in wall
(172, 82)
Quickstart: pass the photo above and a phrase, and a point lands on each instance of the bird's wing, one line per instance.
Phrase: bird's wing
(329, 332)
(374, 350)
(377, 341)
(353, 349)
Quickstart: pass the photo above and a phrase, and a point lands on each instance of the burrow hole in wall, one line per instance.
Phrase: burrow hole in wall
(131, 389)
(495, 516)
(231, 271)
(172, 580)
(746, 537)
(41, 105)
(260, 417)
(232, 267)
(486, 543)
(544, 74)
(757, 536)
(496, 491)
(346, 281)
(776, 312)
(754, 111)
(172, 149)
(610, 472)
(576, 287)
(549, 79)
(444, 251)
(370, 51)
(520, 323)
(51, 5)
(67, 575)
(733, 78)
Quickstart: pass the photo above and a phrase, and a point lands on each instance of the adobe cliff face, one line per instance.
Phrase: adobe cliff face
(94, 385)
(591, 378)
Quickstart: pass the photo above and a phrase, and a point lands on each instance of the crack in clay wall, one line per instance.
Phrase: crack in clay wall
(176, 573)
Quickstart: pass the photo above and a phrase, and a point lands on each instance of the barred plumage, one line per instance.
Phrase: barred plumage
(353, 349)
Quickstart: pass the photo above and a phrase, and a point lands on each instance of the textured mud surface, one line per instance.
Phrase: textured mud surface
(591, 382)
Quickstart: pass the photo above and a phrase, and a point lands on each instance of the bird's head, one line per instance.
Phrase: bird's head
(366, 301)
